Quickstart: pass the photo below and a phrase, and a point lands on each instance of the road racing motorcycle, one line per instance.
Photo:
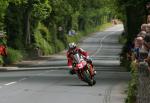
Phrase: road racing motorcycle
(83, 68)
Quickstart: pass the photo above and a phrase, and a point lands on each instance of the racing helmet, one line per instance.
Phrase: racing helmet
(72, 45)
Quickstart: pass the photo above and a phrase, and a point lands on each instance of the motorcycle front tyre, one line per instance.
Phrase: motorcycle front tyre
(87, 78)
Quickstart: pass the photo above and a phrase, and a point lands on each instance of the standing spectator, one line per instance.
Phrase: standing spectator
(3, 51)
(71, 32)
(3, 47)
(143, 27)
(140, 48)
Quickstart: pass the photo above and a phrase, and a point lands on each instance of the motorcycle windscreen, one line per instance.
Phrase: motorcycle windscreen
(78, 58)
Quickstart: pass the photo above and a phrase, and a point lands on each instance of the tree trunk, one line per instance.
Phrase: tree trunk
(134, 21)
(27, 28)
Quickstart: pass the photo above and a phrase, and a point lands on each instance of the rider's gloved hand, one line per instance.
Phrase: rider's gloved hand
(89, 59)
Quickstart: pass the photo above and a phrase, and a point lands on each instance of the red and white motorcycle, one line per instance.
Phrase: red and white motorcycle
(84, 69)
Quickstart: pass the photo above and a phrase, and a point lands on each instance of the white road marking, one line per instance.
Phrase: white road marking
(10, 83)
(22, 79)
(101, 45)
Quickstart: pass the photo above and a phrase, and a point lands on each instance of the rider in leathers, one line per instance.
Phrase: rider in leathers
(73, 47)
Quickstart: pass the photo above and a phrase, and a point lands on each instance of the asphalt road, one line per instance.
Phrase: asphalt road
(53, 85)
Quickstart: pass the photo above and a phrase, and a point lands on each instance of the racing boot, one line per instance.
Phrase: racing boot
(72, 72)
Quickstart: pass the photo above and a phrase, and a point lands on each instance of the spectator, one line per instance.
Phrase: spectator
(148, 28)
(148, 19)
(138, 42)
(71, 32)
(3, 51)
(147, 36)
(142, 34)
(139, 48)
(143, 27)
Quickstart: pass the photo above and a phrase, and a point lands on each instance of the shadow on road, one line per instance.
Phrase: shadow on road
(78, 85)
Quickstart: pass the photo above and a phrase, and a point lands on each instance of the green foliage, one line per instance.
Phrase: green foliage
(3, 6)
(1, 60)
(45, 32)
(75, 20)
(14, 26)
(13, 56)
(41, 10)
(132, 88)
(103, 26)
(31, 23)
(126, 63)
(42, 39)
(21, 19)
(75, 38)
(59, 46)
(123, 39)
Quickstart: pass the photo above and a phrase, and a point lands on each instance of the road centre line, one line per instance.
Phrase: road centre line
(22, 79)
(10, 83)
(101, 45)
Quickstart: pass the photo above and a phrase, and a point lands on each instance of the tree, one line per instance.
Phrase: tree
(22, 18)
(3, 7)
(39, 10)
(133, 13)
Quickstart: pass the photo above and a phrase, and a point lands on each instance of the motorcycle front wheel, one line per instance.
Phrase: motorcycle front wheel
(88, 79)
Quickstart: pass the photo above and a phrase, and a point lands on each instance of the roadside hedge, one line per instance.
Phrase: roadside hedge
(132, 86)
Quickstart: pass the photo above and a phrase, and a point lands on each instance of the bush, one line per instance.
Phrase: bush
(42, 39)
(13, 56)
(74, 38)
(132, 88)
(59, 46)
(1, 60)
(122, 39)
